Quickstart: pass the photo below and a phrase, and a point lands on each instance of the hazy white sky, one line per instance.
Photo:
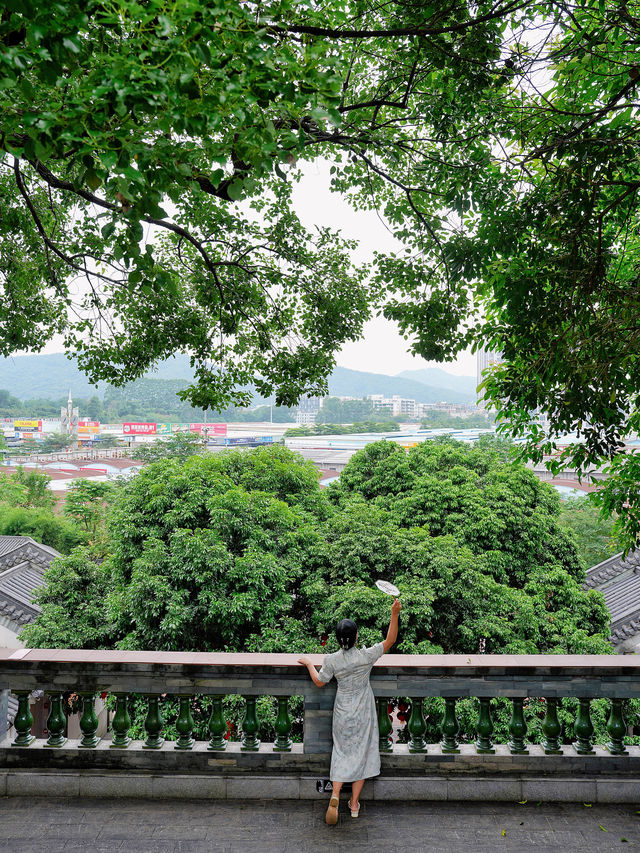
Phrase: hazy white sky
(382, 349)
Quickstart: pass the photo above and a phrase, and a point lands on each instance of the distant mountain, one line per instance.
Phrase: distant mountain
(51, 376)
(438, 378)
(354, 383)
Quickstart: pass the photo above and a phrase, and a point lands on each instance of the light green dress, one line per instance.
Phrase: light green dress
(355, 752)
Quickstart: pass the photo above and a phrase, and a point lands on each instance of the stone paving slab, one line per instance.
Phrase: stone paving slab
(64, 825)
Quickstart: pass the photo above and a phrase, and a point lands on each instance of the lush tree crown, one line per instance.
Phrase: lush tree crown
(243, 551)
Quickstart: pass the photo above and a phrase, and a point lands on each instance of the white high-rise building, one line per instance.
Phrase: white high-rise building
(484, 359)
(308, 408)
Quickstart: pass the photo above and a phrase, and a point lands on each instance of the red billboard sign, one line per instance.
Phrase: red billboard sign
(139, 429)
(210, 429)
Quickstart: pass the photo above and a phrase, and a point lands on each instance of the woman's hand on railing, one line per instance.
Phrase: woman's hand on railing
(313, 673)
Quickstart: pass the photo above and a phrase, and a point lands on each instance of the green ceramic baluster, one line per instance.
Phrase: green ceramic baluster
(384, 726)
(88, 721)
(250, 742)
(450, 728)
(121, 722)
(584, 728)
(551, 729)
(185, 724)
(518, 729)
(23, 720)
(153, 724)
(484, 744)
(617, 729)
(56, 722)
(217, 726)
(283, 726)
(417, 727)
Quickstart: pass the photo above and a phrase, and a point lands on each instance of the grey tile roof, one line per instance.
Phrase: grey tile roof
(618, 579)
(16, 549)
(609, 569)
(23, 562)
(19, 582)
(9, 543)
(623, 598)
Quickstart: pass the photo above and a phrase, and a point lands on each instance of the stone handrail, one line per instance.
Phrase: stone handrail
(186, 674)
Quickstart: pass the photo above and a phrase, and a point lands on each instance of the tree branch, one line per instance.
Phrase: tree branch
(326, 32)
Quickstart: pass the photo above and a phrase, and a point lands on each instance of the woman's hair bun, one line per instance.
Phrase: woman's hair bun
(346, 633)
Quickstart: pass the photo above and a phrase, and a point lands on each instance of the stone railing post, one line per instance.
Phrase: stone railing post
(318, 713)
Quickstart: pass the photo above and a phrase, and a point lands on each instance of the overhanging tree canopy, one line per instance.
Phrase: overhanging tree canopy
(146, 202)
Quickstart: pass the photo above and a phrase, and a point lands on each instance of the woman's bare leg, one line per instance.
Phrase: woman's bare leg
(332, 810)
(356, 790)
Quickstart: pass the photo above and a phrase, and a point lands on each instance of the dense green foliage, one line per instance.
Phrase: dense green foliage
(26, 509)
(342, 429)
(44, 407)
(86, 501)
(42, 525)
(335, 411)
(26, 488)
(142, 400)
(593, 534)
(438, 420)
(54, 442)
(180, 446)
(243, 551)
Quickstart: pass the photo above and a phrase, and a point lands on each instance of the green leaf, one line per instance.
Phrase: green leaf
(72, 44)
(27, 89)
(235, 190)
(92, 179)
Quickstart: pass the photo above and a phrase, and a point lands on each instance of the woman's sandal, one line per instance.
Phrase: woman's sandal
(356, 812)
(332, 812)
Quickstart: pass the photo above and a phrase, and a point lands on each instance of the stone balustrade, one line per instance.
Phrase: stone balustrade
(428, 765)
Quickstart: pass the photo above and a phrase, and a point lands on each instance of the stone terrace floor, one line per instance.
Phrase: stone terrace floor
(33, 825)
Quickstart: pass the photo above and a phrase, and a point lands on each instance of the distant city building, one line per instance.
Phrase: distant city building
(408, 408)
(404, 406)
(395, 405)
(485, 359)
(308, 409)
(380, 402)
(462, 410)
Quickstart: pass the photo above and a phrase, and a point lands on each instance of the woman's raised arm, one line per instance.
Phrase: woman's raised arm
(392, 633)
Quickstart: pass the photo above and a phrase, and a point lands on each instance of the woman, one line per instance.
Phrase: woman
(355, 756)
